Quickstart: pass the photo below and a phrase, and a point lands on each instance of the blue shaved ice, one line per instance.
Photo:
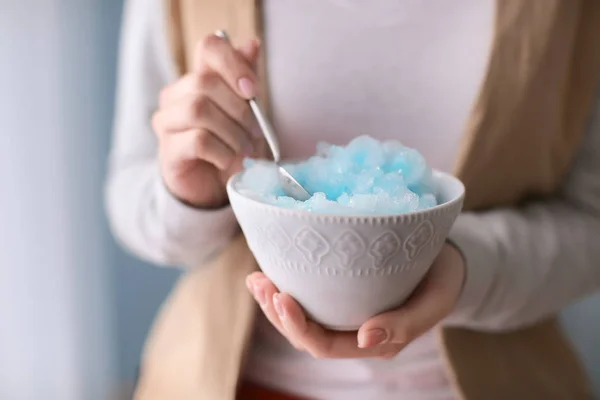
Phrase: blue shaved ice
(365, 177)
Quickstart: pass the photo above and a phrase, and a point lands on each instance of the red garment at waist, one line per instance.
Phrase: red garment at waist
(249, 391)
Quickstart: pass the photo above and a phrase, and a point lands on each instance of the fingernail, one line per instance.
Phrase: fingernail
(278, 306)
(371, 338)
(246, 87)
(260, 296)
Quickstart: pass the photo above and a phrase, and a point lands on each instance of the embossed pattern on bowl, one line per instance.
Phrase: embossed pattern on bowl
(345, 269)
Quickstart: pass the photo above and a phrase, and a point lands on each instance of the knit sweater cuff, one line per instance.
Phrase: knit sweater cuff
(469, 235)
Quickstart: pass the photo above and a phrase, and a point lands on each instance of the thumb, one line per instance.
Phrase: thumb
(399, 326)
(428, 305)
(402, 325)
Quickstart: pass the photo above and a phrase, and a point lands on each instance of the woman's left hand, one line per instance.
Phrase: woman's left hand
(382, 336)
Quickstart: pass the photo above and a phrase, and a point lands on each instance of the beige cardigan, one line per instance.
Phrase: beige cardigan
(535, 100)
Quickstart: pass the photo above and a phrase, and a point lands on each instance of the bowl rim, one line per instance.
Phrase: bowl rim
(232, 190)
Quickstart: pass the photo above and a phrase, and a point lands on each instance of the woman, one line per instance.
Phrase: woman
(405, 70)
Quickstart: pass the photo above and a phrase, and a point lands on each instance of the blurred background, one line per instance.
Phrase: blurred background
(74, 309)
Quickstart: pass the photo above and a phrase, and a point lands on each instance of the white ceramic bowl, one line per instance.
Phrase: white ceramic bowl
(345, 269)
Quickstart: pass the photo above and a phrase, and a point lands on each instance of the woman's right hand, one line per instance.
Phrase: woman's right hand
(204, 124)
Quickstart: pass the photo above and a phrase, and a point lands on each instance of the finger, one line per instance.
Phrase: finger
(188, 84)
(319, 342)
(218, 55)
(209, 84)
(263, 291)
(250, 50)
(197, 144)
(201, 113)
(431, 302)
(212, 85)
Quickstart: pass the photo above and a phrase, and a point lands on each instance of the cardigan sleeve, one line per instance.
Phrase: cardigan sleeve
(528, 263)
(145, 218)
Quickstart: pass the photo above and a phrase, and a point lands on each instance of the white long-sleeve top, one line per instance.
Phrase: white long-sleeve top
(408, 70)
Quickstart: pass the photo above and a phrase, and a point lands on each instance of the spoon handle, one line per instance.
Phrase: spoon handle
(263, 122)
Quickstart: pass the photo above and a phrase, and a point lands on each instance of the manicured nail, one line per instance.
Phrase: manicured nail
(371, 338)
(278, 307)
(246, 87)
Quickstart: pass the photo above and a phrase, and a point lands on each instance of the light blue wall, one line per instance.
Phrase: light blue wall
(140, 289)
(56, 282)
(582, 323)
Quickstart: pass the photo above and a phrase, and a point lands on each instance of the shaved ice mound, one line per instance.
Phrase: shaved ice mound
(365, 177)
(363, 242)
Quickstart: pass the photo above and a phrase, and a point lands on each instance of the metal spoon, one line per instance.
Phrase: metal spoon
(290, 185)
